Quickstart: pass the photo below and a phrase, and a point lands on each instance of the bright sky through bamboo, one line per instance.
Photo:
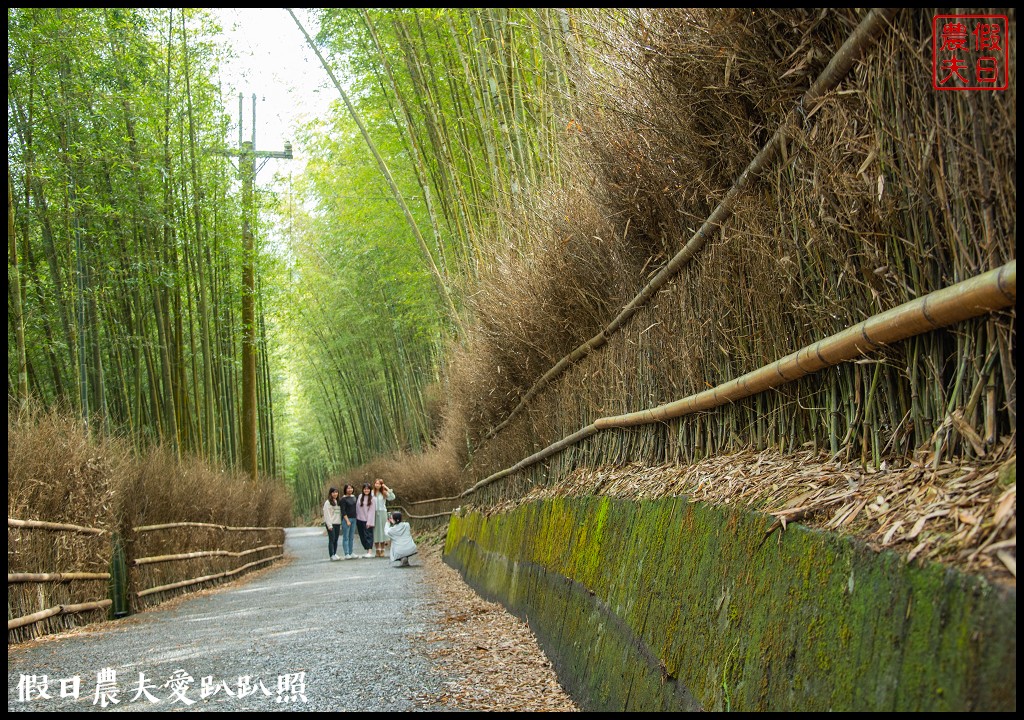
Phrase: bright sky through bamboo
(274, 62)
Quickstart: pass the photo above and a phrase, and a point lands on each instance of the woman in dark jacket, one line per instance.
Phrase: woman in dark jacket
(348, 521)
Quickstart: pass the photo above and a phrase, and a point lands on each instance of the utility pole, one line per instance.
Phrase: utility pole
(247, 154)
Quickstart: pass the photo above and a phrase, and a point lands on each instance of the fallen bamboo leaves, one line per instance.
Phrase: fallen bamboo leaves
(958, 513)
(491, 658)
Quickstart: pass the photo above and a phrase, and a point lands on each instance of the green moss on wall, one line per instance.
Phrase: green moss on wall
(668, 605)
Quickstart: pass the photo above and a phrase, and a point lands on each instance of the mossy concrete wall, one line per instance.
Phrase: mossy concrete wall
(668, 605)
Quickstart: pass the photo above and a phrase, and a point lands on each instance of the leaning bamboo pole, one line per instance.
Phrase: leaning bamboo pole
(430, 500)
(989, 292)
(859, 41)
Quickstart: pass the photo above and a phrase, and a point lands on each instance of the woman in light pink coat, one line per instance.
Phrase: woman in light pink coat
(366, 518)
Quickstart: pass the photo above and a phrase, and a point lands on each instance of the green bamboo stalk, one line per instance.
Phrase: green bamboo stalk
(396, 193)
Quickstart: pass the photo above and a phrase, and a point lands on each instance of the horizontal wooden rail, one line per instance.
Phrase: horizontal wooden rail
(440, 499)
(168, 526)
(410, 516)
(181, 556)
(55, 577)
(42, 525)
(205, 578)
(200, 553)
(176, 585)
(59, 610)
(446, 513)
(257, 549)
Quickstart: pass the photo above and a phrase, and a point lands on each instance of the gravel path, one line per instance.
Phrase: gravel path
(310, 634)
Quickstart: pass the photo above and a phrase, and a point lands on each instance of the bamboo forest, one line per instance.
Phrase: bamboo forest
(305, 330)
(730, 291)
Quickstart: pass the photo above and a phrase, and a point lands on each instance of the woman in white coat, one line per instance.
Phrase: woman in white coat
(402, 545)
(382, 495)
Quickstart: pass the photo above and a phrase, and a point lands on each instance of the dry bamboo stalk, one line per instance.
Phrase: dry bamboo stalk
(536, 457)
(420, 502)
(55, 577)
(43, 525)
(59, 610)
(205, 578)
(167, 526)
(855, 46)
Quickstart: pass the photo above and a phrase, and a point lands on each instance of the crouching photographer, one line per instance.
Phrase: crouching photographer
(402, 545)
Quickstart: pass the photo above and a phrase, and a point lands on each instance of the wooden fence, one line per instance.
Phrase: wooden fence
(118, 575)
(176, 558)
(45, 597)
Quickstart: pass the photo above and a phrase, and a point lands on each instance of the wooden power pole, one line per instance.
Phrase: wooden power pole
(247, 154)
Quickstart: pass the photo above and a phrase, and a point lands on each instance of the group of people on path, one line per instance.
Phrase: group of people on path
(368, 514)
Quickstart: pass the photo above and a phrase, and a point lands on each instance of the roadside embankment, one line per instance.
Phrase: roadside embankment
(672, 605)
